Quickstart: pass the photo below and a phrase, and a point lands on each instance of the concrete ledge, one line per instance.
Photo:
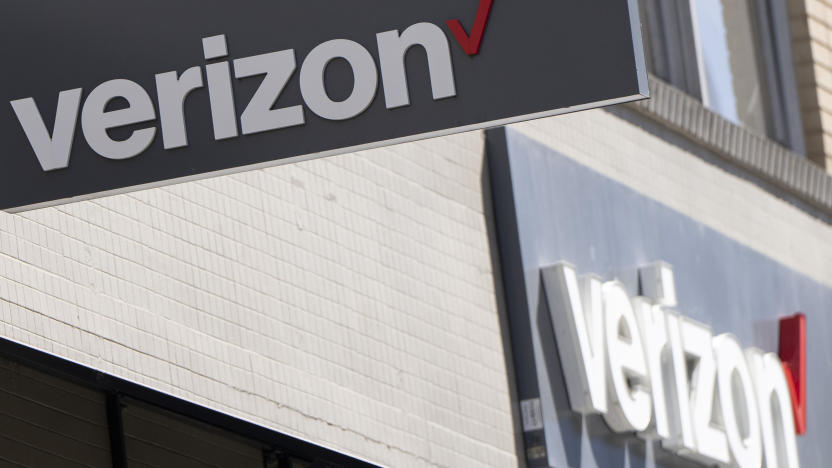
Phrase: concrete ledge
(752, 152)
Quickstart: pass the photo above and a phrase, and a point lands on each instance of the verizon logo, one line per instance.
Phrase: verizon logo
(53, 149)
(650, 371)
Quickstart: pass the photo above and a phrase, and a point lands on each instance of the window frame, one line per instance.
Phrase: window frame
(670, 43)
(116, 390)
(778, 70)
(672, 56)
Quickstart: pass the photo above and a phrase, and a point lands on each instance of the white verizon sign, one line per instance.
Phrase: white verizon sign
(652, 372)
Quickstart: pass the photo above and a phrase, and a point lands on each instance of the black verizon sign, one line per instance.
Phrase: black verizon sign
(108, 96)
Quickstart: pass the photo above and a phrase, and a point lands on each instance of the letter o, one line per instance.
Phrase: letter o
(742, 424)
(364, 71)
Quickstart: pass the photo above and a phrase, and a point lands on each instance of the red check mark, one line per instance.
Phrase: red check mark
(471, 44)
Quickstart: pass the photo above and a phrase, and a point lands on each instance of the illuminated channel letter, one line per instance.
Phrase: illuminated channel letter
(365, 79)
(630, 404)
(682, 439)
(392, 49)
(652, 372)
(96, 120)
(52, 151)
(658, 283)
(711, 443)
(774, 402)
(577, 317)
(742, 422)
(657, 355)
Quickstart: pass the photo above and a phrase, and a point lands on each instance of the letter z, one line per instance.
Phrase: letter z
(259, 115)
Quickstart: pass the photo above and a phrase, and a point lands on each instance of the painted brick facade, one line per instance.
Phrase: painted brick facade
(349, 301)
(811, 29)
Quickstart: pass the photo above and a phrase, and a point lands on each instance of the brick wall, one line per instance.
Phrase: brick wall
(349, 301)
(811, 29)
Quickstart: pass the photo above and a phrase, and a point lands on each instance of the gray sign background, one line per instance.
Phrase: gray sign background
(550, 208)
(538, 57)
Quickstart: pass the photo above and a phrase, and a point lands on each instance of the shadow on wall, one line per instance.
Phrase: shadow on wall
(502, 309)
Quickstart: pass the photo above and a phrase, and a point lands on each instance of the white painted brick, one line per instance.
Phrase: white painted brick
(350, 300)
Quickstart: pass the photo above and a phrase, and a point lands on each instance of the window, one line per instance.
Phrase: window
(45, 421)
(668, 45)
(57, 413)
(727, 61)
(733, 55)
(158, 438)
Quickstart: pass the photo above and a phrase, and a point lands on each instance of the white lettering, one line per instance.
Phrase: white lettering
(392, 49)
(774, 402)
(219, 89)
(711, 443)
(630, 402)
(96, 121)
(742, 422)
(172, 91)
(52, 151)
(259, 115)
(667, 377)
(656, 352)
(682, 439)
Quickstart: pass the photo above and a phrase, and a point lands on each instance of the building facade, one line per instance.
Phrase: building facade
(387, 307)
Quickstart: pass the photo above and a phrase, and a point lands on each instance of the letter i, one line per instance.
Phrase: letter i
(219, 88)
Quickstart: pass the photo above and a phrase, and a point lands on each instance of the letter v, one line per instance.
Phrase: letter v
(52, 151)
(577, 318)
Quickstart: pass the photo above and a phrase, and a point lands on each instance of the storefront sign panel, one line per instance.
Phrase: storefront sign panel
(104, 97)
